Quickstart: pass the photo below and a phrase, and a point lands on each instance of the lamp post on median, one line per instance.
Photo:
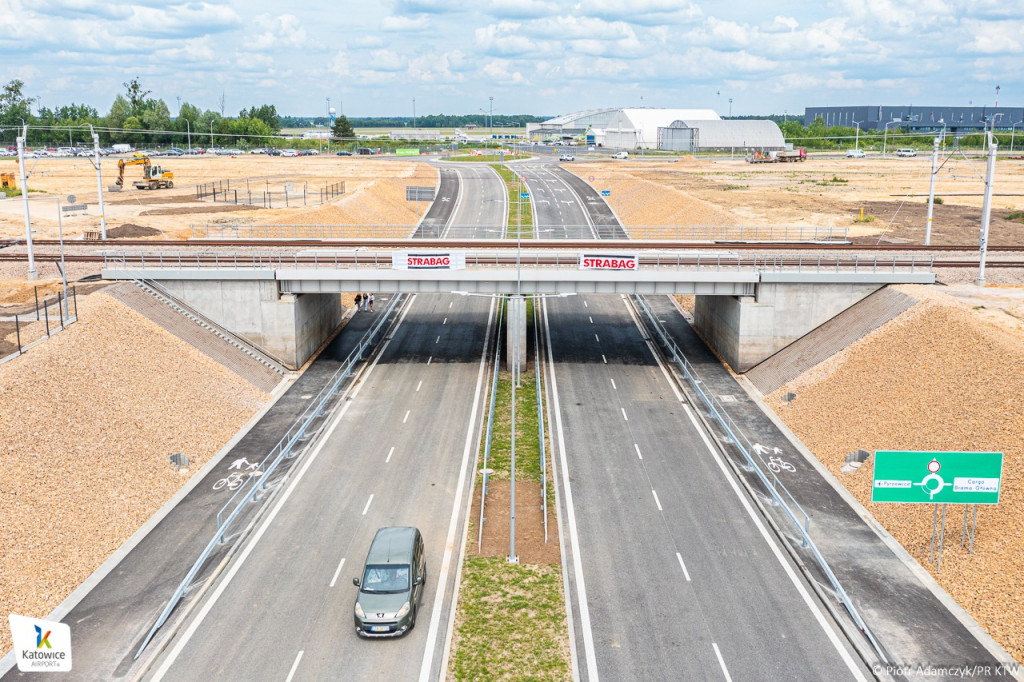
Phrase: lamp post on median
(856, 142)
(886, 132)
(1013, 131)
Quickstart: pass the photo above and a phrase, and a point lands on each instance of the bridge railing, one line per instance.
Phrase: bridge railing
(382, 230)
(568, 259)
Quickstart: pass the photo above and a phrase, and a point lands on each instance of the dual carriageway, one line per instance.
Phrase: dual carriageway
(671, 569)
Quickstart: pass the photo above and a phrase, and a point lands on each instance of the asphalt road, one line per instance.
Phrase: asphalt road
(481, 206)
(681, 580)
(398, 454)
(558, 211)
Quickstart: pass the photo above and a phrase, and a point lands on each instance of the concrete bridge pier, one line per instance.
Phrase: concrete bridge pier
(745, 330)
(515, 332)
(289, 327)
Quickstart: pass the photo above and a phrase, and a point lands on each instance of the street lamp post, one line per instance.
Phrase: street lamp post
(1013, 132)
(211, 133)
(99, 182)
(32, 274)
(491, 117)
(188, 129)
(856, 142)
(886, 132)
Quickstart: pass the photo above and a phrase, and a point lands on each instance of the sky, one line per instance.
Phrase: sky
(542, 57)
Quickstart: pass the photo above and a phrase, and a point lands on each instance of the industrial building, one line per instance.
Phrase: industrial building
(918, 118)
(690, 130)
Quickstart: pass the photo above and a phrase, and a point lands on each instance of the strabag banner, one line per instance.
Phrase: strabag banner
(428, 261)
(40, 645)
(605, 261)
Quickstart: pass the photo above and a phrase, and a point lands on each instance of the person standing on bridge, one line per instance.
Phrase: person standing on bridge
(366, 301)
(359, 300)
(371, 302)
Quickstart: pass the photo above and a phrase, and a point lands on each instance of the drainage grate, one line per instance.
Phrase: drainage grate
(854, 460)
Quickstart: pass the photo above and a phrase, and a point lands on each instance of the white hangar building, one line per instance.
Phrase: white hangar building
(669, 129)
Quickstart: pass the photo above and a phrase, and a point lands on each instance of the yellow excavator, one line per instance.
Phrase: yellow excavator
(153, 177)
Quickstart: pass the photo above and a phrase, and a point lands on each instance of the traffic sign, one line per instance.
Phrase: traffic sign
(606, 192)
(937, 477)
(524, 195)
(591, 178)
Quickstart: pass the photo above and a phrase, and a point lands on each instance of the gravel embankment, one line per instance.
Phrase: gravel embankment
(945, 375)
(87, 421)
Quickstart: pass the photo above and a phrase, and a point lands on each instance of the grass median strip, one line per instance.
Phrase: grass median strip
(510, 619)
(520, 211)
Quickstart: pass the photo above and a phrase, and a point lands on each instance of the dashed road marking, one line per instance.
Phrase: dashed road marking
(390, 452)
(418, 386)
(614, 387)
(337, 572)
(638, 451)
(406, 418)
(656, 500)
(683, 566)
(624, 413)
(367, 507)
(721, 662)
(295, 666)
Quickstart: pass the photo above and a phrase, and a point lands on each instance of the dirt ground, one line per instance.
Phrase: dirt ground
(818, 192)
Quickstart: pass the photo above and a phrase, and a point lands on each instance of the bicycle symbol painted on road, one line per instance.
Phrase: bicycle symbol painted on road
(235, 479)
(777, 464)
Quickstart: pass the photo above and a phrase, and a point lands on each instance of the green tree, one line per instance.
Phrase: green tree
(136, 95)
(15, 107)
(343, 129)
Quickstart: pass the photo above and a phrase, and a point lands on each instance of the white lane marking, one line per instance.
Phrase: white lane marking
(472, 439)
(429, 359)
(295, 666)
(656, 500)
(597, 338)
(591, 319)
(367, 507)
(390, 452)
(638, 451)
(604, 358)
(444, 322)
(418, 386)
(585, 304)
(574, 541)
(614, 387)
(438, 339)
(815, 611)
(721, 662)
(337, 572)
(683, 566)
(237, 564)
(450, 304)
(624, 413)
(406, 418)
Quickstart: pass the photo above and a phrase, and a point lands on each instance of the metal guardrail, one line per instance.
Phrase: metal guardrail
(694, 233)
(490, 428)
(281, 451)
(780, 495)
(568, 259)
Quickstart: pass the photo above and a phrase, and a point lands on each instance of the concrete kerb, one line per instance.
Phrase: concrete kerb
(65, 607)
(972, 626)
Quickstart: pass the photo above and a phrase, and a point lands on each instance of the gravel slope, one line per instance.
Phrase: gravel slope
(945, 375)
(87, 421)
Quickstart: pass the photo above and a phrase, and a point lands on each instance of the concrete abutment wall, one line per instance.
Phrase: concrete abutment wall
(288, 326)
(745, 330)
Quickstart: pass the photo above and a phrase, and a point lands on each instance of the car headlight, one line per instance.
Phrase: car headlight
(403, 611)
(359, 611)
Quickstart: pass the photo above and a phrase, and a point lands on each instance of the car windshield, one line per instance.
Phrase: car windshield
(386, 579)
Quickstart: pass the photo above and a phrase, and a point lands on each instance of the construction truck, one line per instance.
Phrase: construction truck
(153, 177)
(784, 156)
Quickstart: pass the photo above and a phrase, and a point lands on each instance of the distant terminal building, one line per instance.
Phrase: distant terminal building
(415, 134)
(917, 118)
(648, 128)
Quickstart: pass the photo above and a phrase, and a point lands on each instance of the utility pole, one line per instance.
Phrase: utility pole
(986, 209)
(33, 274)
(99, 181)
(931, 192)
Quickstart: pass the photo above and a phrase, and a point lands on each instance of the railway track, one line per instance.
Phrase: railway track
(504, 243)
(214, 260)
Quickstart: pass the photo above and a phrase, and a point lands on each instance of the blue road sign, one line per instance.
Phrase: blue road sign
(606, 192)
(524, 195)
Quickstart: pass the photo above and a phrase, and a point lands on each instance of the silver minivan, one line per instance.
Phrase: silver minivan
(391, 588)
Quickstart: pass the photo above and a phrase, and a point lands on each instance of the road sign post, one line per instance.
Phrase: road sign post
(939, 478)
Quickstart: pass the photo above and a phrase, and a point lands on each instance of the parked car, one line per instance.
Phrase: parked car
(85, 152)
(906, 152)
(620, 155)
(566, 157)
(289, 152)
(310, 152)
(344, 152)
(855, 154)
(174, 151)
(273, 152)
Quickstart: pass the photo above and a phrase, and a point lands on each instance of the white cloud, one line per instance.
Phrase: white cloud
(404, 24)
(501, 70)
(387, 60)
(993, 37)
(284, 30)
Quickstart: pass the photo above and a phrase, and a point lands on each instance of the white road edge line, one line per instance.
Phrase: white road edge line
(240, 561)
(419, 385)
(656, 500)
(390, 452)
(406, 417)
(367, 507)
(295, 666)
(570, 512)
(472, 438)
(338, 572)
(683, 566)
(614, 387)
(815, 611)
(624, 413)
(429, 359)
(721, 662)
(638, 451)
(604, 358)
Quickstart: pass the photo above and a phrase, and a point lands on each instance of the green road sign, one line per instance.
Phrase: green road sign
(937, 477)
